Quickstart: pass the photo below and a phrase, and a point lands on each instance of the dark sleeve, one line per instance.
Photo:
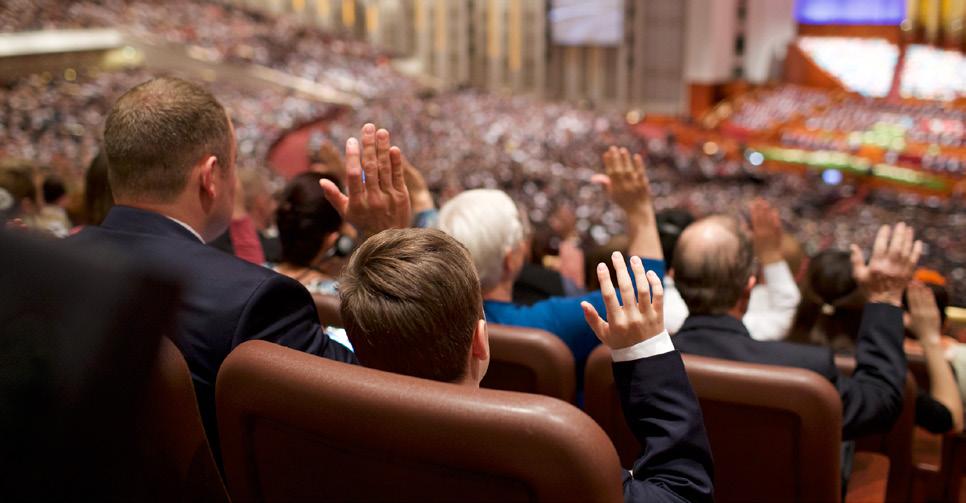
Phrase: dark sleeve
(872, 397)
(931, 414)
(663, 412)
(282, 311)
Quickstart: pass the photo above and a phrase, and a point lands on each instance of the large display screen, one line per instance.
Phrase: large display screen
(873, 12)
(587, 22)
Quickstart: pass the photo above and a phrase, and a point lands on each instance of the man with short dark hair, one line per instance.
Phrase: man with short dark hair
(412, 304)
(714, 272)
(171, 152)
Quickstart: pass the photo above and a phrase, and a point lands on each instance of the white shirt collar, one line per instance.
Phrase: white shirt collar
(186, 226)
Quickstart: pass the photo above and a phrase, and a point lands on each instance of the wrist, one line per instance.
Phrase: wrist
(891, 298)
(767, 257)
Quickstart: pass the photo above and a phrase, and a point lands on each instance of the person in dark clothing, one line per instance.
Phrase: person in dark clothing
(412, 304)
(830, 315)
(714, 272)
(170, 148)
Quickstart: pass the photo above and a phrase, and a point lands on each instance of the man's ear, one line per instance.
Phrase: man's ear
(752, 281)
(210, 176)
(481, 342)
(669, 273)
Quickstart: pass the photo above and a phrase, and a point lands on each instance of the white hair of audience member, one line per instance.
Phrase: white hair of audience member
(487, 222)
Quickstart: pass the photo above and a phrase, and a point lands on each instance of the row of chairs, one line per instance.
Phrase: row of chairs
(295, 427)
(741, 402)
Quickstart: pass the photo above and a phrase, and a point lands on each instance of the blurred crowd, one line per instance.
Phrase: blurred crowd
(56, 122)
(222, 32)
(542, 154)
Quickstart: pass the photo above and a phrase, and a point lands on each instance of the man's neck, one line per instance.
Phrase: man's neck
(502, 292)
(172, 211)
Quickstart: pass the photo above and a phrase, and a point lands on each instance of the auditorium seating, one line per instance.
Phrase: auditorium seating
(328, 309)
(896, 444)
(775, 432)
(522, 359)
(173, 441)
(295, 427)
(530, 361)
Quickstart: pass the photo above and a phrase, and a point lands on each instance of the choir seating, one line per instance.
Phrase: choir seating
(295, 427)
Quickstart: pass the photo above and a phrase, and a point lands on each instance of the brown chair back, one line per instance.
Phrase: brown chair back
(897, 443)
(295, 427)
(530, 361)
(328, 310)
(172, 439)
(775, 432)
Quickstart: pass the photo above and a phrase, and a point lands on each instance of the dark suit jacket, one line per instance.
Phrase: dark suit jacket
(871, 397)
(661, 409)
(226, 301)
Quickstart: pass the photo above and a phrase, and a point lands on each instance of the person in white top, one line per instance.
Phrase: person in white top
(771, 309)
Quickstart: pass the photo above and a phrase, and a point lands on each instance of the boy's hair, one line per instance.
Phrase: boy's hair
(411, 302)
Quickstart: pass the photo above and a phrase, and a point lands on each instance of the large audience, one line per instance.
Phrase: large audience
(490, 173)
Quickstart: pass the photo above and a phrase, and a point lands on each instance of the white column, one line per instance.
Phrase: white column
(709, 42)
(539, 53)
(769, 27)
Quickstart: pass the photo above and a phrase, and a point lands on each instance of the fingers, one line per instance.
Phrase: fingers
(916, 253)
(881, 242)
(624, 281)
(639, 166)
(657, 295)
(640, 277)
(337, 199)
(610, 161)
(398, 167)
(598, 325)
(915, 297)
(625, 162)
(898, 242)
(608, 293)
(353, 168)
(383, 157)
(370, 161)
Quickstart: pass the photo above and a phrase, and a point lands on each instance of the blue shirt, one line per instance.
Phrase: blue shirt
(561, 316)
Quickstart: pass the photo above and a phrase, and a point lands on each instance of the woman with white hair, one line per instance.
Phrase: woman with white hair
(493, 229)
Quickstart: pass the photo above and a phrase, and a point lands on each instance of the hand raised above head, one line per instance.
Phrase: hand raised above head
(377, 195)
(639, 318)
(766, 231)
(625, 179)
(924, 317)
(894, 258)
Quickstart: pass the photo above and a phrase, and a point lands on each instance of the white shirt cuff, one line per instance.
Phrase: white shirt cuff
(657, 345)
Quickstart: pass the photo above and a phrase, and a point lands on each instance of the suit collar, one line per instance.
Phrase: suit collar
(128, 219)
(722, 323)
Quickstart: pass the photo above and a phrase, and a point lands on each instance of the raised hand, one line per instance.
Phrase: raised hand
(766, 231)
(419, 195)
(924, 317)
(639, 318)
(625, 179)
(377, 195)
(894, 258)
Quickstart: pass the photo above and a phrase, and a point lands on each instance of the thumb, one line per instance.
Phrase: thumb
(602, 180)
(598, 325)
(336, 198)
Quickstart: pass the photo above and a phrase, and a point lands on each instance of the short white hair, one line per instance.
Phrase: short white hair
(488, 224)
